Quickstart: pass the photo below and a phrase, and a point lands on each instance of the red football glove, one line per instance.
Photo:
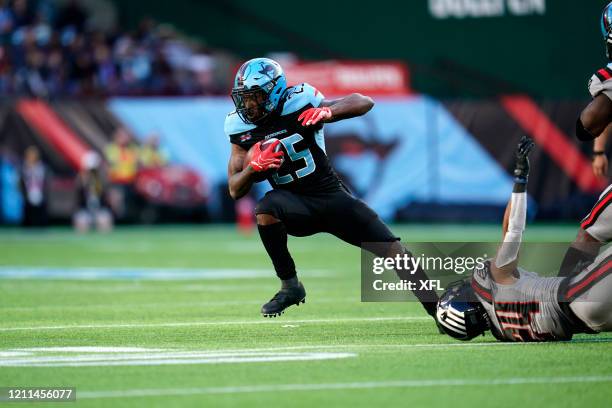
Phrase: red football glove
(266, 159)
(313, 116)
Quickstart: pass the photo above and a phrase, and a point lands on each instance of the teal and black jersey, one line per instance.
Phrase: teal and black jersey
(307, 169)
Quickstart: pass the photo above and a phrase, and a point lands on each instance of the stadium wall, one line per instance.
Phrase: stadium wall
(411, 158)
(453, 47)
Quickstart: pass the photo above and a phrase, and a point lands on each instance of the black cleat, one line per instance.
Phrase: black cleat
(283, 299)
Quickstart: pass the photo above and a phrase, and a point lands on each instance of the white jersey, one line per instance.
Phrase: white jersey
(601, 82)
(527, 310)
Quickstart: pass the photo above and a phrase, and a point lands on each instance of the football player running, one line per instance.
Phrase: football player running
(594, 123)
(307, 195)
(516, 305)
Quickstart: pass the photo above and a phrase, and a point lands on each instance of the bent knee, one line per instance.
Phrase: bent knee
(584, 236)
(587, 120)
(266, 219)
(596, 315)
(585, 242)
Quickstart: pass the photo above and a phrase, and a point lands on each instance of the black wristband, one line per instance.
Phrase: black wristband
(599, 153)
(519, 187)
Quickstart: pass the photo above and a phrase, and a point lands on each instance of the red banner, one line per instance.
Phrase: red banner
(341, 78)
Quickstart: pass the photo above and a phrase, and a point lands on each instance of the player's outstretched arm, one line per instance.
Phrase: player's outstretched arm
(332, 111)
(349, 107)
(506, 259)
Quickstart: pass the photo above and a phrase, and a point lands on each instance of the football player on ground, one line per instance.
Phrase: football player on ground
(307, 196)
(516, 305)
(594, 123)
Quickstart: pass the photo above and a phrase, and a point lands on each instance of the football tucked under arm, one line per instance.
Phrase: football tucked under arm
(270, 157)
(264, 156)
(240, 180)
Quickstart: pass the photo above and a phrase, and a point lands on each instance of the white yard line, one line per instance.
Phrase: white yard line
(394, 347)
(83, 357)
(114, 287)
(191, 360)
(391, 347)
(139, 273)
(341, 386)
(132, 306)
(90, 349)
(103, 355)
(220, 323)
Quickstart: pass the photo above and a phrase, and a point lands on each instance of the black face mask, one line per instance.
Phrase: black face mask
(464, 299)
(252, 105)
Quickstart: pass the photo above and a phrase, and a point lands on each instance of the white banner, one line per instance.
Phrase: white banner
(443, 9)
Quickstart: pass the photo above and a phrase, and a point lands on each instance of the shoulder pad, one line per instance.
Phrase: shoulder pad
(600, 81)
(234, 125)
(299, 96)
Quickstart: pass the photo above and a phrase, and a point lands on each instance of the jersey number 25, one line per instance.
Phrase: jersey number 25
(289, 144)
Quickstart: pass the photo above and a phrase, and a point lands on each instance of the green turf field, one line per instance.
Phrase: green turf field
(126, 341)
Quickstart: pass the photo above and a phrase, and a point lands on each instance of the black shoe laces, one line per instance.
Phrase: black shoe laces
(277, 297)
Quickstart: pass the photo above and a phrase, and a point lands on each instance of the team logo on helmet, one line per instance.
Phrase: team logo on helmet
(267, 70)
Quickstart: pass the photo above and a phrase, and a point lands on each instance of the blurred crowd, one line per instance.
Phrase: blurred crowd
(104, 187)
(124, 160)
(50, 50)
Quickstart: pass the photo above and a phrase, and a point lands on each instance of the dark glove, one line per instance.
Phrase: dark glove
(521, 170)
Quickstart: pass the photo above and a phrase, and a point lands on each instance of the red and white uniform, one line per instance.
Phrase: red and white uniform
(537, 308)
(528, 310)
(598, 223)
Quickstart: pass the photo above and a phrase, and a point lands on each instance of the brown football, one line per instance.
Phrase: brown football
(261, 176)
